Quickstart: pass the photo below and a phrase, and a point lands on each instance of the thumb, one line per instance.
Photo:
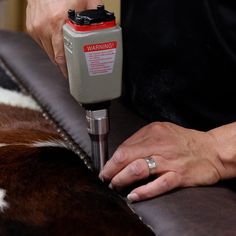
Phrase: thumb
(59, 53)
(63, 68)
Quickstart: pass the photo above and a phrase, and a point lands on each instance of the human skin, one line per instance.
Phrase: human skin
(184, 157)
(44, 21)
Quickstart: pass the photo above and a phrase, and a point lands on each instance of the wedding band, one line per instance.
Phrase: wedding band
(152, 165)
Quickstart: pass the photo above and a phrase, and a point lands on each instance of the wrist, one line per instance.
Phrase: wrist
(226, 152)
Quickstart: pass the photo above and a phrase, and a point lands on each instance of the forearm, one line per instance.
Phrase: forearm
(225, 137)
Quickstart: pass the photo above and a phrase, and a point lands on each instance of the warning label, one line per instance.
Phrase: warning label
(100, 58)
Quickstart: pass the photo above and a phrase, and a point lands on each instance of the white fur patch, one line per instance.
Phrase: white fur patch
(3, 203)
(50, 143)
(46, 143)
(3, 144)
(14, 98)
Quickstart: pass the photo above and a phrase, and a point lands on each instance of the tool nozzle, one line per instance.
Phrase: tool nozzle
(98, 129)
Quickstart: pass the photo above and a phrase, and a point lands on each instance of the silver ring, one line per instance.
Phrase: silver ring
(152, 165)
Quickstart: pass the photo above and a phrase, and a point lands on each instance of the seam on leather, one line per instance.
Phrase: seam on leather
(69, 141)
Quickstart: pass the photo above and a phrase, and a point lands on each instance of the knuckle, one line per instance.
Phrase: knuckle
(183, 168)
(30, 31)
(166, 124)
(59, 59)
(156, 126)
(178, 178)
(116, 182)
(105, 176)
(57, 19)
(214, 177)
(137, 168)
(172, 181)
(165, 184)
(57, 15)
(37, 27)
(28, 27)
(120, 155)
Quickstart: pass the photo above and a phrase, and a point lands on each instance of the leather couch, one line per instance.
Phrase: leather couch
(195, 211)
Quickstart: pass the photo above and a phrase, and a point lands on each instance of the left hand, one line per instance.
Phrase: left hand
(184, 158)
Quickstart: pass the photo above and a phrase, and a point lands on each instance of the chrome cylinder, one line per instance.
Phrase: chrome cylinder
(98, 128)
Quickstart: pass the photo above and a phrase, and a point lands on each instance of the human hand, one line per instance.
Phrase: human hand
(44, 21)
(184, 158)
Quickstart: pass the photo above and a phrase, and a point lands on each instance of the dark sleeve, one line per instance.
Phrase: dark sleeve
(179, 62)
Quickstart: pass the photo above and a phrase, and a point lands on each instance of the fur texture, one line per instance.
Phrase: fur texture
(3, 203)
(45, 189)
(15, 98)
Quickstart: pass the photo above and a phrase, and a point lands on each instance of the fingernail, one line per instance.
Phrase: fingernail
(101, 177)
(133, 197)
(110, 186)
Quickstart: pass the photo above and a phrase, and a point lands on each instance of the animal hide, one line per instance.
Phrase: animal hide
(45, 188)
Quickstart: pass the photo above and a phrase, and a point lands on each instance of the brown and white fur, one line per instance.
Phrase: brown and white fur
(45, 189)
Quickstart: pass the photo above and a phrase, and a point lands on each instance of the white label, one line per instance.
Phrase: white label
(100, 58)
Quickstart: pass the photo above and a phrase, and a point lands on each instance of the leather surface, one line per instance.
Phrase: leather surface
(46, 84)
(193, 211)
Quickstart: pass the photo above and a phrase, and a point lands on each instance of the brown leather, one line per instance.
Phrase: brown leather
(47, 85)
(194, 211)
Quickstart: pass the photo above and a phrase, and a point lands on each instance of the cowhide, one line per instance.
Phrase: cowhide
(45, 189)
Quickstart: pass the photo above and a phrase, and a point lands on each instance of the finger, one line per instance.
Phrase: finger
(124, 156)
(64, 70)
(28, 22)
(161, 185)
(30, 26)
(47, 46)
(59, 53)
(34, 36)
(43, 38)
(135, 171)
(138, 170)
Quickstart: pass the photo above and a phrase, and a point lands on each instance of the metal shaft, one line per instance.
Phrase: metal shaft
(99, 150)
(98, 128)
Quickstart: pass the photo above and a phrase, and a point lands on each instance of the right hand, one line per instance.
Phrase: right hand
(44, 21)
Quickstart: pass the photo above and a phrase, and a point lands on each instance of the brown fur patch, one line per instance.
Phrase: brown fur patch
(49, 190)
(24, 126)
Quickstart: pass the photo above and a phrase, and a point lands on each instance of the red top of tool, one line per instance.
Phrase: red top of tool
(93, 19)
